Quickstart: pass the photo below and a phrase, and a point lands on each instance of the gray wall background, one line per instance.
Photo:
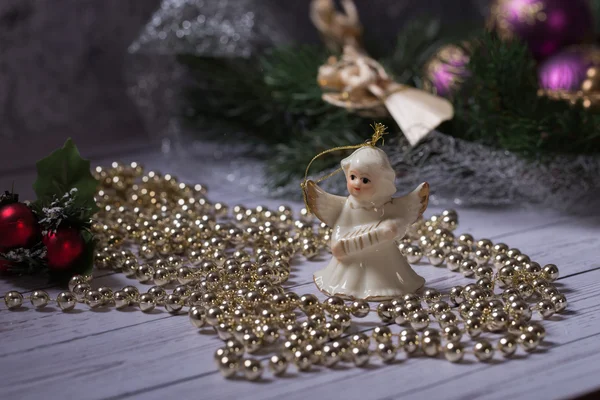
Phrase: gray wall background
(62, 66)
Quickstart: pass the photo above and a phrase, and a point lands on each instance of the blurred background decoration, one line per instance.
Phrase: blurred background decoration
(521, 74)
(61, 75)
(526, 125)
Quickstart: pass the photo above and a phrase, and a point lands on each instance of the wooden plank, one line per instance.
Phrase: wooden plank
(98, 354)
(170, 361)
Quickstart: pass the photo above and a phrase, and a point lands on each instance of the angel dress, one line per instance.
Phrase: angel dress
(373, 267)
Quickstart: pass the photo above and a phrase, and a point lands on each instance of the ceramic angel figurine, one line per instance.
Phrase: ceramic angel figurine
(367, 263)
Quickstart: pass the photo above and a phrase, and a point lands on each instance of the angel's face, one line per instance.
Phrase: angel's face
(360, 184)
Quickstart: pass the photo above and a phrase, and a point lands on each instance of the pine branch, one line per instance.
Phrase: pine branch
(499, 106)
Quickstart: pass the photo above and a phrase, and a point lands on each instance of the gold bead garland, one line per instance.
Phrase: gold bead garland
(228, 265)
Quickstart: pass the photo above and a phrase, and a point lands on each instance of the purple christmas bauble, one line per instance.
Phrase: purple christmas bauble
(545, 25)
(446, 69)
(571, 74)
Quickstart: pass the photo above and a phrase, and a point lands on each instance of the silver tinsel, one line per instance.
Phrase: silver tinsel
(216, 28)
(211, 28)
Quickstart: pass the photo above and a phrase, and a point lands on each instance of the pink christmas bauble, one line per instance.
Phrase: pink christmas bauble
(545, 25)
(446, 69)
(572, 74)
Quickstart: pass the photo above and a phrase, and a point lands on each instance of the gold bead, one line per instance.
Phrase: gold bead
(39, 299)
(235, 347)
(529, 341)
(560, 302)
(513, 253)
(516, 326)
(483, 350)
(66, 301)
(508, 345)
(387, 352)
(419, 320)
(94, 299)
(343, 318)
(436, 257)
(107, 294)
(532, 268)
(499, 248)
(224, 330)
(147, 302)
(278, 365)
(447, 319)
(467, 267)
(182, 291)
(484, 244)
(452, 333)
(454, 352)
(309, 302)
(453, 261)
(173, 303)
(334, 329)
(13, 299)
(408, 341)
(360, 356)
(222, 352)
(500, 259)
(413, 253)
(252, 343)
(456, 295)
(550, 272)
(466, 239)
(121, 299)
(132, 292)
(385, 311)
(537, 329)
(158, 293)
(228, 366)
(431, 295)
(214, 316)
(360, 308)
(293, 299)
(76, 280)
(520, 309)
(330, 355)
(549, 291)
(484, 271)
(334, 304)
(474, 327)
(270, 334)
(545, 308)
(80, 290)
(162, 277)
(431, 345)
(440, 307)
(303, 360)
(362, 340)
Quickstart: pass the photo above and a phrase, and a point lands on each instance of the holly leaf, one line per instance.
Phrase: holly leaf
(62, 171)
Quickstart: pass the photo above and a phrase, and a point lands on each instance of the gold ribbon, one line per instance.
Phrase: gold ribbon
(379, 131)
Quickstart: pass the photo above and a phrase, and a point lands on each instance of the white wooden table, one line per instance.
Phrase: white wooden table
(111, 354)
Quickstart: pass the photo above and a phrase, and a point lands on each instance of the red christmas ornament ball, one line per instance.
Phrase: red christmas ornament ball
(18, 227)
(64, 247)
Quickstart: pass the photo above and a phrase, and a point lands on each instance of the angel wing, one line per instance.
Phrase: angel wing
(406, 210)
(327, 207)
(418, 112)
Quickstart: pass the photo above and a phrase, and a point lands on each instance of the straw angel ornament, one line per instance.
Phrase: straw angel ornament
(366, 262)
(358, 83)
